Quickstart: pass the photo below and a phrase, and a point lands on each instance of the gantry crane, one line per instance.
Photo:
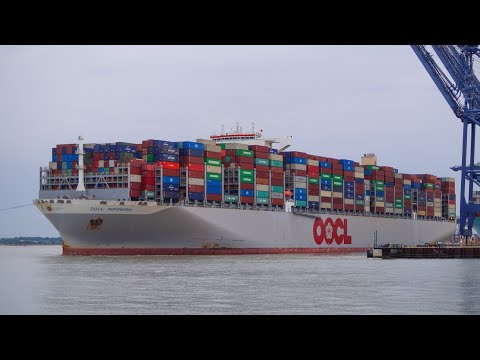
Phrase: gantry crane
(461, 90)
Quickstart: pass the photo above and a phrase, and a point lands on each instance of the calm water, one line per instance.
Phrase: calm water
(38, 280)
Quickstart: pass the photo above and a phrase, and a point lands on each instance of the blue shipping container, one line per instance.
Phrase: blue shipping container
(214, 190)
(300, 192)
(359, 181)
(158, 143)
(346, 162)
(172, 195)
(300, 197)
(313, 204)
(246, 193)
(326, 187)
(171, 180)
(326, 182)
(171, 187)
(325, 165)
(54, 158)
(191, 152)
(214, 183)
(191, 145)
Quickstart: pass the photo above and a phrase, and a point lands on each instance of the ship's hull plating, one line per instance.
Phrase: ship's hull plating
(90, 228)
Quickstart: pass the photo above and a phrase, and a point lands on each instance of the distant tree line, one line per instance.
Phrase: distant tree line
(31, 241)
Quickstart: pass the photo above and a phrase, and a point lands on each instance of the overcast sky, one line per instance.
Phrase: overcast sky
(336, 101)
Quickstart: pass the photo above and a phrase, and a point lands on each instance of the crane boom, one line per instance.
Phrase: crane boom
(462, 94)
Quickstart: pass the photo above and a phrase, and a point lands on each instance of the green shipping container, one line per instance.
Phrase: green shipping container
(227, 159)
(149, 194)
(277, 189)
(247, 153)
(313, 180)
(262, 201)
(246, 172)
(261, 162)
(231, 198)
(150, 158)
(326, 176)
(301, 203)
(214, 176)
(246, 179)
(427, 186)
(359, 202)
(222, 146)
(399, 201)
(407, 197)
(213, 162)
(337, 178)
(276, 163)
(69, 172)
(337, 183)
(377, 182)
(398, 206)
(262, 194)
(372, 167)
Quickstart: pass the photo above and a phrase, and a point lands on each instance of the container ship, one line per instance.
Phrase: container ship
(235, 193)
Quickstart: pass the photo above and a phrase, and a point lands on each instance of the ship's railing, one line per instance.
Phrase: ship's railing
(295, 210)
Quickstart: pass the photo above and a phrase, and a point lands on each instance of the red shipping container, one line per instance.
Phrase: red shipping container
(313, 192)
(196, 188)
(326, 199)
(277, 182)
(148, 180)
(262, 181)
(191, 160)
(135, 193)
(196, 174)
(313, 187)
(195, 167)
(148, 187)
(168, 172)
(135, 170)
(261, 155)
(349, 207)
(262, 174)
(245, 159)
(245, 166)
(338, 200)
(278, 176)
(148, 173)
(298, 172)
(213, 155)
(297, 154)
(349, 178)
(148, 167)
(277, 170)
(135, 186)
(262, 168)
(214, 197)
(259, 148)
(277, 202)
(313, 174)
(245, 186)
(337, 206)
(246, 199)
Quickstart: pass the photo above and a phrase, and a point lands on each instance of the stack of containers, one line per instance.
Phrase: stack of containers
(449, 200)
(326, 197)
(65, 159)
(437, 198)
(428, 185)
(360, 196)
(348, 169)
(377, 188)
(295, 165)
(213, 170)
(135, 184)
(277, 185)
(192, 158)
(239, 157)
(262, 173)
(313, 174)
(337, 184)
(389, 174)
(398, 193)
(407, 194)
(148, 182)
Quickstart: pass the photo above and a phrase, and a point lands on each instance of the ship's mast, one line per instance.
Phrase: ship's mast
(81, 184)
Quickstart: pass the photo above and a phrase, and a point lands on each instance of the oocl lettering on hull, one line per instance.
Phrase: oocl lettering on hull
(330, 231)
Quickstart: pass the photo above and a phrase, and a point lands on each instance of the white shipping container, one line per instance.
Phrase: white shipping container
(359, 175)
(326, 193)
(275, 157)
(338, 195)
(325, 205)
(313, 163)
(313, 198)
(101, 163)
(214, 169)
(195, 181)
(135, 178)
(300, 179)
(263, 187)
(52, 165)
(236, 146)
(277, 195)
(407, 182)
(296, 167)
(111, 163)
(349, 201)
(300, 185)
(359, 169)
(212, 148)
(379, 204)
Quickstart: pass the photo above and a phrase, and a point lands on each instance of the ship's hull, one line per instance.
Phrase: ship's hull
(90, 228)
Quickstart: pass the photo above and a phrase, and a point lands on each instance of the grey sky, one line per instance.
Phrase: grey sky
(336, 101)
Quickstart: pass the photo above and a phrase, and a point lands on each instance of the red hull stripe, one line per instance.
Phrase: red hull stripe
(200, 251)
